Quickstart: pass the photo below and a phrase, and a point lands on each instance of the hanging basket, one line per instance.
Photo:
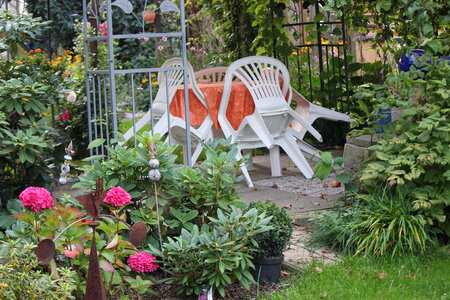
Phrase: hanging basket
(149, 16)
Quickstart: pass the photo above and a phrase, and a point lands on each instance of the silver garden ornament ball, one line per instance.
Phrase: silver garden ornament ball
(154, 175)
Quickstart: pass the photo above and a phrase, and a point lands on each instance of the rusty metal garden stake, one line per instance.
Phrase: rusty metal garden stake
(91, 203)
(94, 287)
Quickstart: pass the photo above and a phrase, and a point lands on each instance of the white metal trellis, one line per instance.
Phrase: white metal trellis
(101, 93)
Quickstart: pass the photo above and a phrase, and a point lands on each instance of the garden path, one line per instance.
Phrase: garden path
(302, 198)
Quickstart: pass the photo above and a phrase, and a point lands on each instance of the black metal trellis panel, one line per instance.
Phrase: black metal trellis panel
(101, 90)
(321, 65)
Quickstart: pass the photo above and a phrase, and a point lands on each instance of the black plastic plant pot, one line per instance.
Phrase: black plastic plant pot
(267, 269)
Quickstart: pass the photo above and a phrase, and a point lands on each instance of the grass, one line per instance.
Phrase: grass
(407, 277)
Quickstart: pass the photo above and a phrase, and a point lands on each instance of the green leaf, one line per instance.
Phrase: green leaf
(96, 143)
(343, 178)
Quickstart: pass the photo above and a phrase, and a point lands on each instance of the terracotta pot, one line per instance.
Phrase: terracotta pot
(149, 16)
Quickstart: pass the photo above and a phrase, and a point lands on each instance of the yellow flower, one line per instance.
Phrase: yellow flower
(78, 58)
(325, 42)
(340, 42)
(155, 82)
(304, 49)
(144, 80)
(37, 50)
(4, 285)
(153, 75)
(294, 53)
(69, 56)
(26, 99)
(20, 63)
(31, 57)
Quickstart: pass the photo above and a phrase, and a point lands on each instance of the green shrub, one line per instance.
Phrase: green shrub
(272, 243)
(216, 255)
(382, 223)
(21, 277)
(414, 152)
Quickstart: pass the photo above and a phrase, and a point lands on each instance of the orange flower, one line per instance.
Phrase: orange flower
(20, 63)
(37, 50)
(78, 58)
(67, 52)
(155, 82)
(31, 51)
(66, 74)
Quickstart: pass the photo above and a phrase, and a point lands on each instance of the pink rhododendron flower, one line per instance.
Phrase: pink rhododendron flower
(142, 262)
(36, 198)
(192, 48)
(145, 39)
(316, 59)
(164, 38)
(160, 48)
(117, 196)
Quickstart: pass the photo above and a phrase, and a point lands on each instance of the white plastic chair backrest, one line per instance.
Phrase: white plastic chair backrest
(211, 75)
(262, 77)
(175, 79)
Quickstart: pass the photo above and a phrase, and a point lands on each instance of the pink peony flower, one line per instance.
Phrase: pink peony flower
(192, 48)
(117, 196)
(164, 38)
(160, 48)
(142, 262)
(36, 198)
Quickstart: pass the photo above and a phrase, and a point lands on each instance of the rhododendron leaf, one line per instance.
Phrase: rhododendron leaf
(25, 216)
(138, 233)
(45, 251)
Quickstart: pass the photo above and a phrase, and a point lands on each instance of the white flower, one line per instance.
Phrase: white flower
(72, 97)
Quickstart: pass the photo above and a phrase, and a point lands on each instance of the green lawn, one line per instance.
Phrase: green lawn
(408, 277)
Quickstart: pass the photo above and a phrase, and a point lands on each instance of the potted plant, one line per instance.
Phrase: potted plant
(269, 256)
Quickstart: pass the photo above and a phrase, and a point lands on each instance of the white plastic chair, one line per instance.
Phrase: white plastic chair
(311, 112)
(211, 75)
(165, 94)
(267, 126)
